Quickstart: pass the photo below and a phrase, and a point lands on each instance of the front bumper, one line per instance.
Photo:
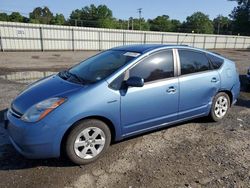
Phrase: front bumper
(32, 140)
(32, 151)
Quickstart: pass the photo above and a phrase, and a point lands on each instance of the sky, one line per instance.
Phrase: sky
(123, 9)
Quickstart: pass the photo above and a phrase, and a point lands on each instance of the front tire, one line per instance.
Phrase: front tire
(87, 141)
(220, 106)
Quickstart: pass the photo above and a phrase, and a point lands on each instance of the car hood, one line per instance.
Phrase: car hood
(52, 86)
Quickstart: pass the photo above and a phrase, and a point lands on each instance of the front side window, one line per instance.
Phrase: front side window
(157, 66)
(193, 62)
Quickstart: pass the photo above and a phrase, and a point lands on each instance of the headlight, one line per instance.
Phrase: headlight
(42, 109)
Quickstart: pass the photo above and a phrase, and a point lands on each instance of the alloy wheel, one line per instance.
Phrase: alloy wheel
(89, 143)
(221, 107)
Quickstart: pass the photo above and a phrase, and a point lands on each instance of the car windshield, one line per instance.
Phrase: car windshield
(100, 66)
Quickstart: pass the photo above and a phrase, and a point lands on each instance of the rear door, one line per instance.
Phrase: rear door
(199, 83)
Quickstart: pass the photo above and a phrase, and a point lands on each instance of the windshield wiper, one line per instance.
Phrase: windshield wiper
(79, 79)
(67, 75)
(64, 74)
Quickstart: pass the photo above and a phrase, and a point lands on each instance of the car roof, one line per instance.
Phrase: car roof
(142, 48)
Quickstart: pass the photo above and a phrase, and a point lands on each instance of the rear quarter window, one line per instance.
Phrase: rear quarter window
(215, 61)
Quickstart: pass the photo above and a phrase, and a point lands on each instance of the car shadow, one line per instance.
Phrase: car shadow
(244, 83)
(244, 98)
(2, 112)
(243, 103)
(10, 159)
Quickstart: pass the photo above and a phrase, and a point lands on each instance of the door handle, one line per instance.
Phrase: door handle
(171, 90)
(214, 80)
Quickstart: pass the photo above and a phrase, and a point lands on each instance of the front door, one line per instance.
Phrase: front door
(156, 103)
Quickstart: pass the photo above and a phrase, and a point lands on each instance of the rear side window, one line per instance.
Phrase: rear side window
(193, 62)
(155, 67)
(215, 61)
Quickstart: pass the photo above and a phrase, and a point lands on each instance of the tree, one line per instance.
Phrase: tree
(241, 17)
(41, 15)
(4, 17)
(222, 25)
(16, 17)
(175, 25)
(144, 24)
(58, 20)
(75, 16)
(93, 16)
(160, 23)
(198, 23)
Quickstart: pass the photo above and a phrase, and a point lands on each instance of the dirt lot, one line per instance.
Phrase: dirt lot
(192, 154)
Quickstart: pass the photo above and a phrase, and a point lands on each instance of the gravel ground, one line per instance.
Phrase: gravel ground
(197, 153)
(17, 61)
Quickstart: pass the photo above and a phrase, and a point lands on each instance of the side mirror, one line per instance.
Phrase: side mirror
(135, 82)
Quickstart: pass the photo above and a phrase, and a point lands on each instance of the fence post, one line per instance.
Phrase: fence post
(193, 40)
(215, 43)
(162, 38)
(99, 40)
(244, 43)
(204, 42)
(1, 43)
(235, 42)
(178, 38)
(73, 39)
(145, 38)
(41, 38)
(226, 42)
(123, 38)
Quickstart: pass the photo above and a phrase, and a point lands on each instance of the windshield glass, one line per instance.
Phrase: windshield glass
(102, 65)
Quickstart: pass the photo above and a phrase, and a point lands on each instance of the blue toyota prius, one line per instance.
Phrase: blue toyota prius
(118, 93)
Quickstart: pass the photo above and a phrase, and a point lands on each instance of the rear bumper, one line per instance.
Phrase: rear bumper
(235, 92)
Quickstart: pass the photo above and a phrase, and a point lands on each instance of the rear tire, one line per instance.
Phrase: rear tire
(220, 106)
(87, 141)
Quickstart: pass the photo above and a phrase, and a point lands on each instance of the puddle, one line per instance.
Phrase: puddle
(26, 77)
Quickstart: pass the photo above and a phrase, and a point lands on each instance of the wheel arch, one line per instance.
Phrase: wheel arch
(101, 118)
(229, 93)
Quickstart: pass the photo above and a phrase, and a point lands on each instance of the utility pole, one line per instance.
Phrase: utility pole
(218, 31)
(132, 23)
(139, 11)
